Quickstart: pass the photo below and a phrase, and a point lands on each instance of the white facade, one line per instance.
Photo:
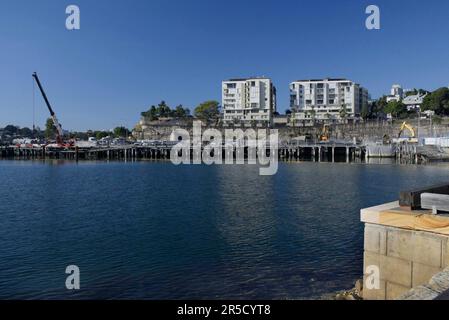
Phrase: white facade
(251, 100)
(396, 90)
(396, 93)
(326, 99)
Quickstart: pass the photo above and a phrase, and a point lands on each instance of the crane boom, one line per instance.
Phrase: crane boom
(56, 123)
(404, 126)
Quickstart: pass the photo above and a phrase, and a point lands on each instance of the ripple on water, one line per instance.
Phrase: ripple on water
(157, 231)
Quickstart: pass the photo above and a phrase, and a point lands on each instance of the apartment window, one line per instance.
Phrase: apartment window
(320, 85)
(331, 101)
(253, 83)
(308, 101)
(231, 85)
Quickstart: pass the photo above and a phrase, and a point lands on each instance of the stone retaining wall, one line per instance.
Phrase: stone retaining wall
(406, 259)
(435, 289)
(408, 247)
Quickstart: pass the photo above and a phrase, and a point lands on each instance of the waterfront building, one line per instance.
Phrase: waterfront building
(396, 93)
(414, 102)
(326, 100)
(248, 101)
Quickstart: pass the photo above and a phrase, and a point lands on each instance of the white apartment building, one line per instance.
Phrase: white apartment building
(248, 101)
(326, 99)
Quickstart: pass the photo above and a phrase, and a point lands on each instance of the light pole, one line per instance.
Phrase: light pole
(419, 123)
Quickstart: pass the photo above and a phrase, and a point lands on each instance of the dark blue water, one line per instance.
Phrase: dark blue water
(157, 231)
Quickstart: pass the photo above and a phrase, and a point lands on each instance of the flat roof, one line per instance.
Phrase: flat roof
(320, 80)
(246, 79)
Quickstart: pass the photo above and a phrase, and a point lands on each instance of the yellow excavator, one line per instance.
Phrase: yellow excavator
(412, 138)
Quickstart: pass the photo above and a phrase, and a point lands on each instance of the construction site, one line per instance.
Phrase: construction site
(413, 141)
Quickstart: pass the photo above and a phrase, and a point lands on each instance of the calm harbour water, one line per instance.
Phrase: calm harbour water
(158, 231)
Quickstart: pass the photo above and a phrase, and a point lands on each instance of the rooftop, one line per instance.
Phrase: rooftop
(414, 99)
(246, 79)
(321, 80)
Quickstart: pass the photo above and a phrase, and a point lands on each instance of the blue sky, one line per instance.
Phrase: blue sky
(129, 55)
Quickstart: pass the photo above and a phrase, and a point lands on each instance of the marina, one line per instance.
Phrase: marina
(210, 153)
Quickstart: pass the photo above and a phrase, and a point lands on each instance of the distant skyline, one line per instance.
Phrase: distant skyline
(129, 55)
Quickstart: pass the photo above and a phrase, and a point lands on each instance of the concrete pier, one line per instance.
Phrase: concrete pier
(408, 248)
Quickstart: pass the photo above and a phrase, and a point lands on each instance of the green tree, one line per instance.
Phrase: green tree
(437, 101)
(180, 112)
(101, 134)
(208, 111)
(381, 104)
(163, 110)
(365, 113)
(396, 108)
(151, 114)
(10, 130)
(25, 132)
(50, 130)
(121, 132)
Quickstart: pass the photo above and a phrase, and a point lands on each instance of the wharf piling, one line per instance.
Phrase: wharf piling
(297, 152)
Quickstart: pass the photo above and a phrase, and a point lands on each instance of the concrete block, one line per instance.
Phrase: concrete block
(375, 239)
(421, 247)
(396, 270)
(371, 259)
(374, 294)
(423, 273)
(400, 243)
(427, 249)
(394, 291)
(445, 255)
(391, 269)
